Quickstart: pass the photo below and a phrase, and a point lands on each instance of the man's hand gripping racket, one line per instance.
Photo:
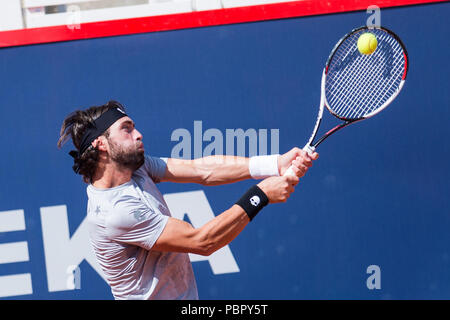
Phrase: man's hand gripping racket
(357, 86)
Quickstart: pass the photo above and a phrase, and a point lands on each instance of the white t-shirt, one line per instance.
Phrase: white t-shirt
(124, 223)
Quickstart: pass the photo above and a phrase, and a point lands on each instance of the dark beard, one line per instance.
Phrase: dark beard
(130, 159)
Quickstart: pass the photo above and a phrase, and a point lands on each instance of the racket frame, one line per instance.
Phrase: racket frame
(311, 146)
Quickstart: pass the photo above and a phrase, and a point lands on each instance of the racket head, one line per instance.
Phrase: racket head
(358, 86)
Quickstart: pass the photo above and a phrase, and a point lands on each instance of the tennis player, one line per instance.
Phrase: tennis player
(142, 250)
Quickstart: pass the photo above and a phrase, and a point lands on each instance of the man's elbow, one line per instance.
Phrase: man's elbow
(210, 178)
(203, 244)
(204, 251)
(207, 179)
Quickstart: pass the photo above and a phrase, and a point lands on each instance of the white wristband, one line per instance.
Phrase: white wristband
(261, 167)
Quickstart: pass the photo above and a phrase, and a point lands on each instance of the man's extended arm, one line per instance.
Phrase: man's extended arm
(217, 170)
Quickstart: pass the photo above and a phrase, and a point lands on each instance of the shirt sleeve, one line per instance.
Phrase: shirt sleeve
(133, 222)
(155, 167)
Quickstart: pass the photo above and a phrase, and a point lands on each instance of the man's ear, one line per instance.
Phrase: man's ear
(100, 143)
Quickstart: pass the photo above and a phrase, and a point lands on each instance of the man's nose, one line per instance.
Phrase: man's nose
(138, 135)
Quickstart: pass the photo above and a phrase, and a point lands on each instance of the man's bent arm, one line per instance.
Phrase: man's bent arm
(180, 236)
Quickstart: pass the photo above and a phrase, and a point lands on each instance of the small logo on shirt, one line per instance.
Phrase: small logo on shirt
(255, 200)
(139, 215)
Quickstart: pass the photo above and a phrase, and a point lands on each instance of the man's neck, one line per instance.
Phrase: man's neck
(111, 176)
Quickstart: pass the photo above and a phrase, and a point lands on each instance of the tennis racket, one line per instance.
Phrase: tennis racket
(356, 86)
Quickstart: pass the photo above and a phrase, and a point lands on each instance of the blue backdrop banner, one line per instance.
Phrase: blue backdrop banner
(370, 219)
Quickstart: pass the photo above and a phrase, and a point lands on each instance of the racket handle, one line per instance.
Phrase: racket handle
(289, 172)
(307, 148)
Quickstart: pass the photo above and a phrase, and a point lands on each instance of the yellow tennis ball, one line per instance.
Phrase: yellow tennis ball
(367, 43)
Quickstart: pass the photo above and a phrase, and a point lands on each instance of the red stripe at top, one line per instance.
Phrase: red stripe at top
(192, 20)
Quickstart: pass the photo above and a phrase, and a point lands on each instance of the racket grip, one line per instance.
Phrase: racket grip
(307, 148)
(289, 172)
(310, 149)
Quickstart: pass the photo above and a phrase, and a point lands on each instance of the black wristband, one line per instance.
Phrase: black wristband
(253, 201)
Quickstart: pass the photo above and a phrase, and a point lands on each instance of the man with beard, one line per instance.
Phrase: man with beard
(142, 250)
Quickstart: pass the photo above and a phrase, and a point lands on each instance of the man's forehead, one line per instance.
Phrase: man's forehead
(122, 120)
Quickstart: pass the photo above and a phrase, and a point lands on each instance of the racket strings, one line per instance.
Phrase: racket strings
(357, 84)
(350, 93)
(376, 95)
(354, 93)
(363, 88)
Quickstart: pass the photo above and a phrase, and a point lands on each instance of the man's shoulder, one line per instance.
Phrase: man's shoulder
(117, 197)
(154, 167)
